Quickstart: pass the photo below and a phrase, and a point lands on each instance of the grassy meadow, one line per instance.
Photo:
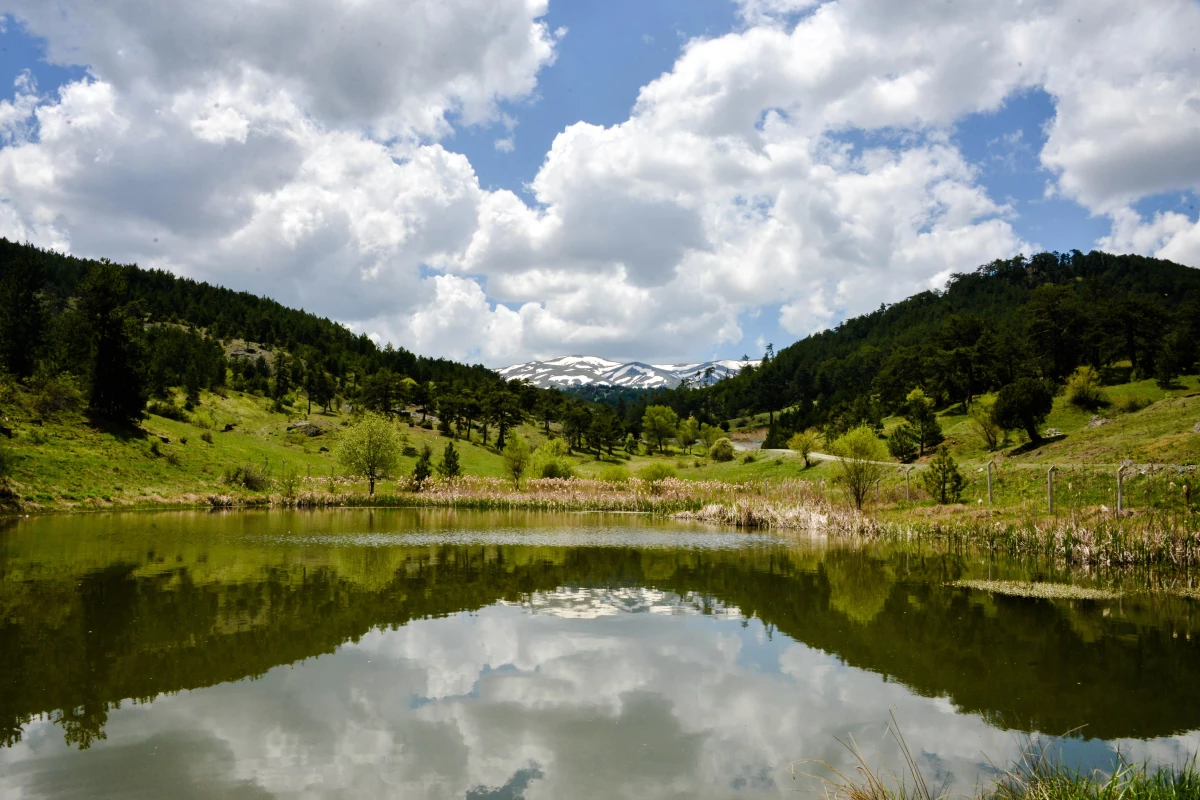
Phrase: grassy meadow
(60, 462)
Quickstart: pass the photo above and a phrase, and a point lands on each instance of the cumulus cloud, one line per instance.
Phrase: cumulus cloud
(298, 151)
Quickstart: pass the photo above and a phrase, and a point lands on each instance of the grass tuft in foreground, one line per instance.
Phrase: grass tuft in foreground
(1039, 774)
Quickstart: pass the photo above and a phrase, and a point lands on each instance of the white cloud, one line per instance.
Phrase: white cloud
(399, 67)
(300, 158)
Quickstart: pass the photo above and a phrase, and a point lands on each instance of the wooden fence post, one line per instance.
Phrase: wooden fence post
(1120, 488)
(1050, 488)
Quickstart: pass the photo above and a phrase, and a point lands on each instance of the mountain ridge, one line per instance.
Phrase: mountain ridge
(583, 370)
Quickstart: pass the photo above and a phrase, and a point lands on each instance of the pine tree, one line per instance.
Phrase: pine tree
(118, 372)
(424, 465)
(22, 318)
(943, 480)
(449, 468)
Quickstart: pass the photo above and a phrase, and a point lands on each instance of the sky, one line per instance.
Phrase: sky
(504, 180)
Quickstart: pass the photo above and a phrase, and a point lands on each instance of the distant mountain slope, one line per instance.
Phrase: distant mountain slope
(569, 371)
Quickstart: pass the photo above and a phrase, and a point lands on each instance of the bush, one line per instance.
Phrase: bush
(614, 474)
(1083, 389)
(206, 437)
(985, 427)
(247, 475)
(722, 450)
(653, 473)
(60, 394)
(174, 459)
(943, 481)
(1131, 404)
(748, 458)
(7, 464)
(288, 482)
(550, 460)
(166, 411)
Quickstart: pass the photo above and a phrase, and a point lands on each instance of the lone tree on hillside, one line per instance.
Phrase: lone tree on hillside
(370, 448)
(658, 425)
(1024, 403)
(859, 452)
(943, 481)
(516, 459)
(804, 443)
(449, 468)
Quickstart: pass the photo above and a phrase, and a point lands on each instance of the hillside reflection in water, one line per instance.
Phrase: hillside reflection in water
(437, 654)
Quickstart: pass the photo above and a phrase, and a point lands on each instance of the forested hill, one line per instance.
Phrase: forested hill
(226, 314)
(1039, 317)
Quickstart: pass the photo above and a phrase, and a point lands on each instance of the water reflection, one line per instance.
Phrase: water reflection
(445, 655)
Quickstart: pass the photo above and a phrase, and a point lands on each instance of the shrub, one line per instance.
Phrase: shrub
(183, 440)
(943, 481)
(206, 437)
(7, 463)
(748, 458)
(154, 451)
(288, 482)
(60, 394)
(722, 450)
(1131, 404)
(1083, 389)
(653, 473)
(804, 443)
(174, 459)
(550, 460)
(247, 475)
(166, 411)
(984, 426)
(614, 474)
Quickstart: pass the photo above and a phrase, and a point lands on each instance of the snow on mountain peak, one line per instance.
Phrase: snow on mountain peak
(567, 371)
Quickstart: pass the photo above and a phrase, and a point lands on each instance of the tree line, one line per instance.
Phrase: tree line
(107, 338)
(1026, 323)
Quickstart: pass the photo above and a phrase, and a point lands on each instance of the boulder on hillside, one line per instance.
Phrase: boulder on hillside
(1097, 420)
(307, 428)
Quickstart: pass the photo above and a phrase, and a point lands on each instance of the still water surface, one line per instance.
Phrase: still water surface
(471, 655)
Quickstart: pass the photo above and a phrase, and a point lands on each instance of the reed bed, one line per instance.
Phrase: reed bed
(1092, 540)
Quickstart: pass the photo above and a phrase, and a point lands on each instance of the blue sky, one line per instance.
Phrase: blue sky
(882, 173)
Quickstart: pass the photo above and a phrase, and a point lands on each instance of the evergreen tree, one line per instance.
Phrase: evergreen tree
(424, 466)
(449, 468)
(943, 481)
(22, 317)
(117, 369)
(903, 443)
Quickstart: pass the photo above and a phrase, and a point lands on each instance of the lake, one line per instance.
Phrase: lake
(444, 654)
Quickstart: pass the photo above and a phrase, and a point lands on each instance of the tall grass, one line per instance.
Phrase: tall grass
(1040, 773)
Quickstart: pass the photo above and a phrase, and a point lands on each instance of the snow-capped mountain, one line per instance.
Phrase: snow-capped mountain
(594, 371)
